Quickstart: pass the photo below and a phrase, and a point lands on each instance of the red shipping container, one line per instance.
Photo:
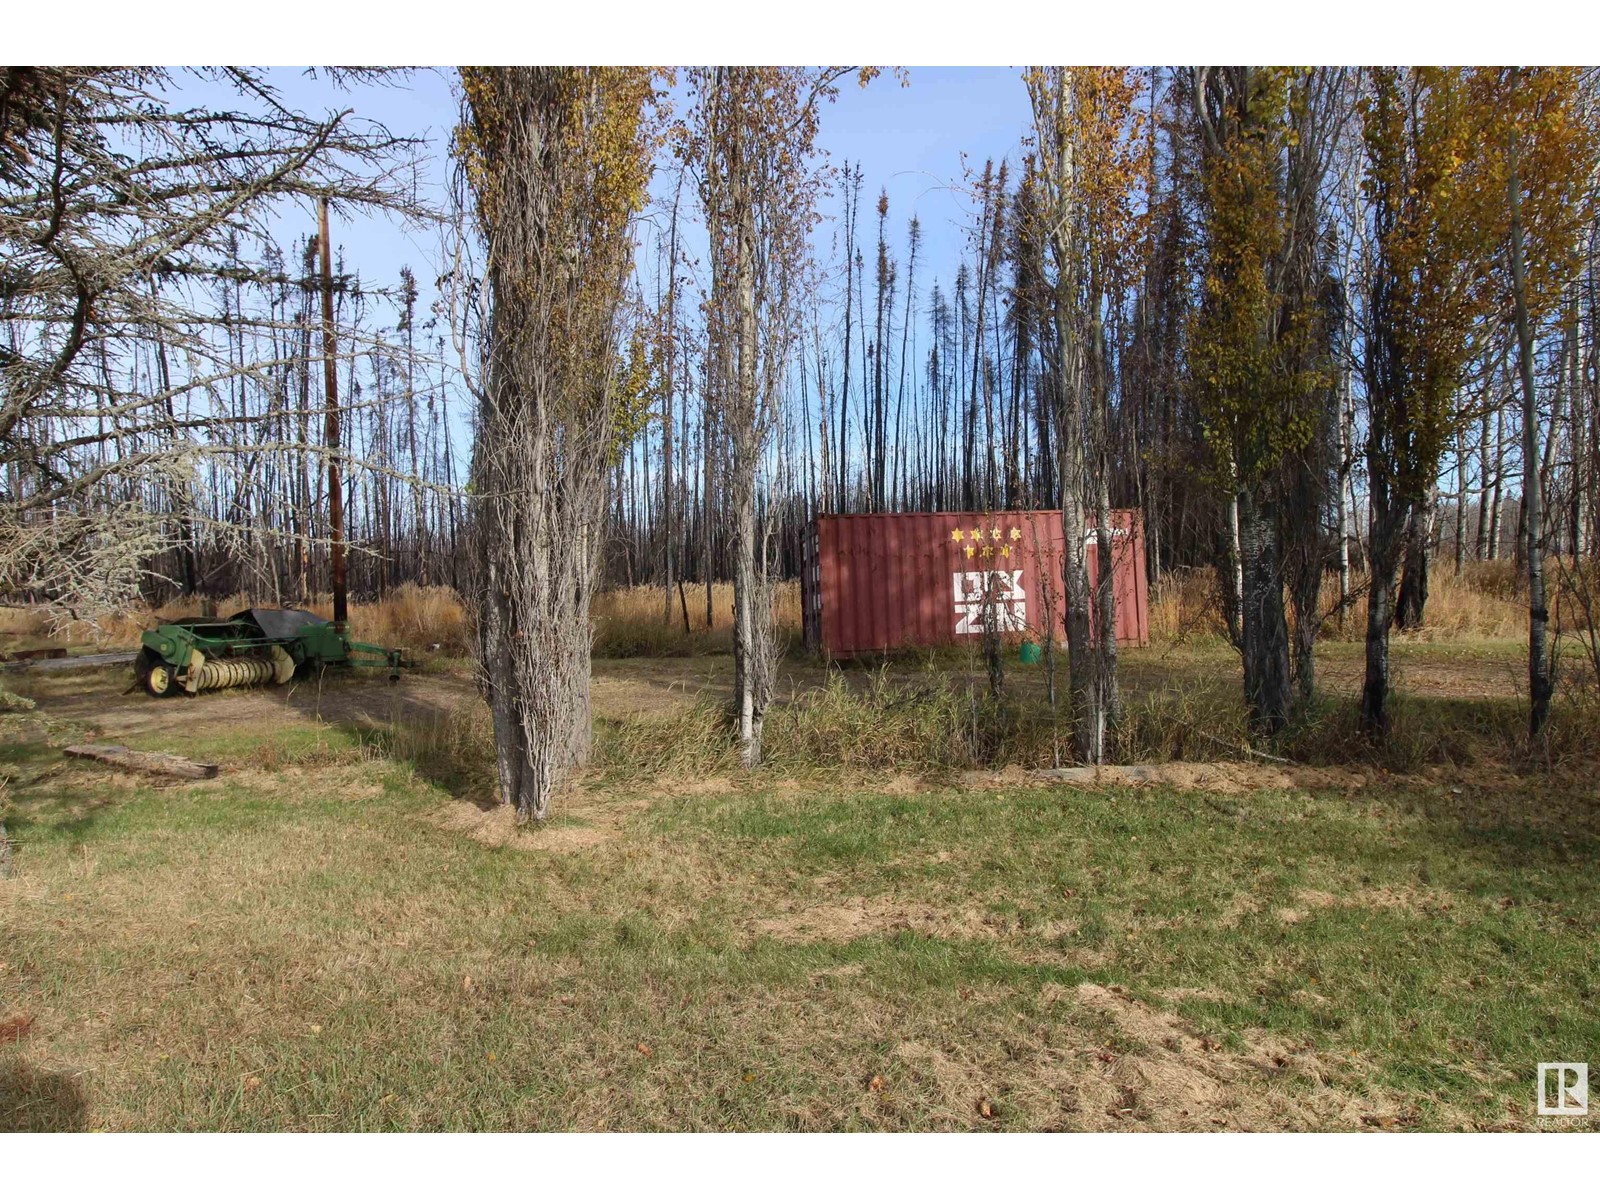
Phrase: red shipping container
(877, 581)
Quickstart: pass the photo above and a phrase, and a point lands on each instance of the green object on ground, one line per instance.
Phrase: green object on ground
(258, 645)
(1031, 653)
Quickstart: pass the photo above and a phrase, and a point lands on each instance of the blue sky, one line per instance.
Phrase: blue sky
(917, 141)
(910, 140)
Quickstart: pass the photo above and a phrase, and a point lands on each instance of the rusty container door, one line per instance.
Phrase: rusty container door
(887, 580)
(1132, 589)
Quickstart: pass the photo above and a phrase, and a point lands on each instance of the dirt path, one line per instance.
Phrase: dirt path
(99, 697)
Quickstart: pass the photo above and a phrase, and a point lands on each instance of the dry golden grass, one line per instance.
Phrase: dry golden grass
(414, 617)
(18, 622)
(631, 622)
(411, 616)
(1485, 602)
(628, 621)
(1185, 606)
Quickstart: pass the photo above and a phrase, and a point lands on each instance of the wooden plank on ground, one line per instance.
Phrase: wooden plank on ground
(71, 662)
(150, 761)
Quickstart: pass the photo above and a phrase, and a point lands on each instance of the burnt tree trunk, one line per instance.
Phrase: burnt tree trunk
(1413, 597)
(1264, 630)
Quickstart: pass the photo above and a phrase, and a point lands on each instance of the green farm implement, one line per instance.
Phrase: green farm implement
(258, 645)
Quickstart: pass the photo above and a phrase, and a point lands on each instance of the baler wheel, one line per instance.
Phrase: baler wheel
(157, 677)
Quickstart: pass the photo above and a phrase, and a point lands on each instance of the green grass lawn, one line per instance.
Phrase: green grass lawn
(330, 938)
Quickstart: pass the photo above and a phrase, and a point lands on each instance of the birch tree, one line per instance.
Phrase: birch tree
(1084, 172)
(749, 136)
(1550, 156)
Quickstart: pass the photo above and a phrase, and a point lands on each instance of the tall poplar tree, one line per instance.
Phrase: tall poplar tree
(1256, 373)
(1433, 211)
(749, 136)
(557, 161)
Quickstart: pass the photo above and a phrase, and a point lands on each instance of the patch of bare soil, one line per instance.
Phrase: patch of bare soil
(1242, 905)
(1005, 778)
(1425, 901)
(1216, 778)
(585, 820)
(1453, 675)
(708, 785)
(107, 702)
(857, 917)
(1106, 1061)
(1207, 995)
(371, 702)
(723, 785)
(899, 785)
(1178, 1079)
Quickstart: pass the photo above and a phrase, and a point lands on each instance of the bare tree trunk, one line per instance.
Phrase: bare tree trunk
(1414, 575)
(666, 418)
(1540, 685)
(1233, 576)
(1088, 718)
(1386, 525)
(753, 635)
(1497, 518)
(1264, 629)
(1051, 112)
(341, 614)
(1344, 501)
(708, 453)
(1484, 496)
(1108, 696)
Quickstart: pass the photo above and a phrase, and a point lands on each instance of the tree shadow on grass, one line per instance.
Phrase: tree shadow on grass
(423, 723)
(35, 1101)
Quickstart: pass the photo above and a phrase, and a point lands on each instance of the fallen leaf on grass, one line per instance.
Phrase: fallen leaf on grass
(875, 1084)
(13, 1029)
(643, 1049)
(986, 1108)
(252, 1083)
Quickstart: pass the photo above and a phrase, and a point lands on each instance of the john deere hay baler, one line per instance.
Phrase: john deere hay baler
(258, 645)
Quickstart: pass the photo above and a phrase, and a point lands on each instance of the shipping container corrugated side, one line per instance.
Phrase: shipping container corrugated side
(877, 581)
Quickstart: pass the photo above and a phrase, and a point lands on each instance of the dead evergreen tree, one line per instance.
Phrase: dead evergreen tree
(557, 163)
(142, 377)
